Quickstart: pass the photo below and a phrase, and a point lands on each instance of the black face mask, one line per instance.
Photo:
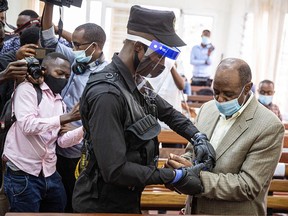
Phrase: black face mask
(55, 84)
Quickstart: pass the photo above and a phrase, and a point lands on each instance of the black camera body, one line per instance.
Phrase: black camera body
(67, 3)
(34, 67)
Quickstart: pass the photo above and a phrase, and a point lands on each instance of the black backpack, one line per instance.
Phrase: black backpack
(7, 117)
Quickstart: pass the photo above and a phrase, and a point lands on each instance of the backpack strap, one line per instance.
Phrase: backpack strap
(39, 92)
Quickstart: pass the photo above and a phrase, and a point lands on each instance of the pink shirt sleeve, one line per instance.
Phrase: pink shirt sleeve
(71, 138)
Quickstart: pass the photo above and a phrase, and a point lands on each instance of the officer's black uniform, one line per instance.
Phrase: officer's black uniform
(122, 133)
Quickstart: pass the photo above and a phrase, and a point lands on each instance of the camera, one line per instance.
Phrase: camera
(42, 52)
(67, 3)
(34, 67)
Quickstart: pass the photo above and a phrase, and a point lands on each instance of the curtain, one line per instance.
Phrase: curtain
(268, 33)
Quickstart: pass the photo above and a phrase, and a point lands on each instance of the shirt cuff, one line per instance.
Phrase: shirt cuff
(48, 33)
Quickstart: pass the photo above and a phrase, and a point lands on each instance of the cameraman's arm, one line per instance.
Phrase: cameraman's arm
(48, 38)
(65, 34)
(47, 16)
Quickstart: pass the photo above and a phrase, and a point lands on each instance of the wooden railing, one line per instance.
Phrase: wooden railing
(197, 101)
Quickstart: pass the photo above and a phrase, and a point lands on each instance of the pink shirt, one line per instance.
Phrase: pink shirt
(31, 141)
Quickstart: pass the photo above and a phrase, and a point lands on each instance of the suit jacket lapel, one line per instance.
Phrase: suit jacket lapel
(209, 122)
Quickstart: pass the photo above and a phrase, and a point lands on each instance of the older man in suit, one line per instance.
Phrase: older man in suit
(247, 138)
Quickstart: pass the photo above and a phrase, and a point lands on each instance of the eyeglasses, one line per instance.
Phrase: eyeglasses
(77, 45)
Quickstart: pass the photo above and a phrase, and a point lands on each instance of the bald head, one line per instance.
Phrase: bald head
(235, 67)
(232, 79)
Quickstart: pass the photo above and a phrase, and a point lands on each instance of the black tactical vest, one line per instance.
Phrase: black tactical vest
(140, 127)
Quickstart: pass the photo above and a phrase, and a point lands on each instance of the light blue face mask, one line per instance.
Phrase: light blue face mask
(228, 108)
(205, 40)
(265, 99)
(80, 55)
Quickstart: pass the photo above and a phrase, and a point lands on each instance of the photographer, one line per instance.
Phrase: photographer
(30, 144)
(13, 71)
(86, 58)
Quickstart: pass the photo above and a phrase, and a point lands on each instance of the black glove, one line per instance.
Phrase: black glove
(204, 151)
(190, 182)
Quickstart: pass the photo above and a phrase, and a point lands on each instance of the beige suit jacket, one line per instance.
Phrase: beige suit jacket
(245, 161)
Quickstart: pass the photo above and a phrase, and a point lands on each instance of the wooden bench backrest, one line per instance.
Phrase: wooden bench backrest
(197, 101)
(169, 136)
(277, 199)
(196, 89)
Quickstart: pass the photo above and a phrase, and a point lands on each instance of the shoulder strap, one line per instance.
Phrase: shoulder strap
(39, 92)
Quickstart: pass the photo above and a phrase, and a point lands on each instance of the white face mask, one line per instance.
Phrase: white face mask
(80, 55)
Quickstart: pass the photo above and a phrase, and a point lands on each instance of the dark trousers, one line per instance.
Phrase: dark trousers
(66, 168)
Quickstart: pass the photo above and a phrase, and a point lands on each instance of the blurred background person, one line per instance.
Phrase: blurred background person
(266, 92)
(201, 61)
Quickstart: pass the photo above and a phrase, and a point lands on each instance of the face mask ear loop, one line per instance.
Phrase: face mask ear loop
(240, 95)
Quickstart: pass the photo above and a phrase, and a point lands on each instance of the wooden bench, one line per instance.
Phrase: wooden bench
(197, 101)
(157, 197)
(196, 90)
(277, 200)
(170, 136)
(285, 141)
(284, 156)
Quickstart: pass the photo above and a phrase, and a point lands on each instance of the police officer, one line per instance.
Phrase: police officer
(119, 111)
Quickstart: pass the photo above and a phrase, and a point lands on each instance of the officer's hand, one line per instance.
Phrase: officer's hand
(190, 182)
(204, 151)
(176, 162)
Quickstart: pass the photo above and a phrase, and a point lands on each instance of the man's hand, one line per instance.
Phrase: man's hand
(204, 151)
(26, 50)
(66, 127)
(15, 70)
(210, 49)
(176, 162)
(74, 115)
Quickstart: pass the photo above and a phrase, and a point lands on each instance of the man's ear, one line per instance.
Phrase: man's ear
(138, 46)
(248, 87)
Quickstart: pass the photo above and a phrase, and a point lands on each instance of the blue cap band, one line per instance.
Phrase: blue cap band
(164, 50)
